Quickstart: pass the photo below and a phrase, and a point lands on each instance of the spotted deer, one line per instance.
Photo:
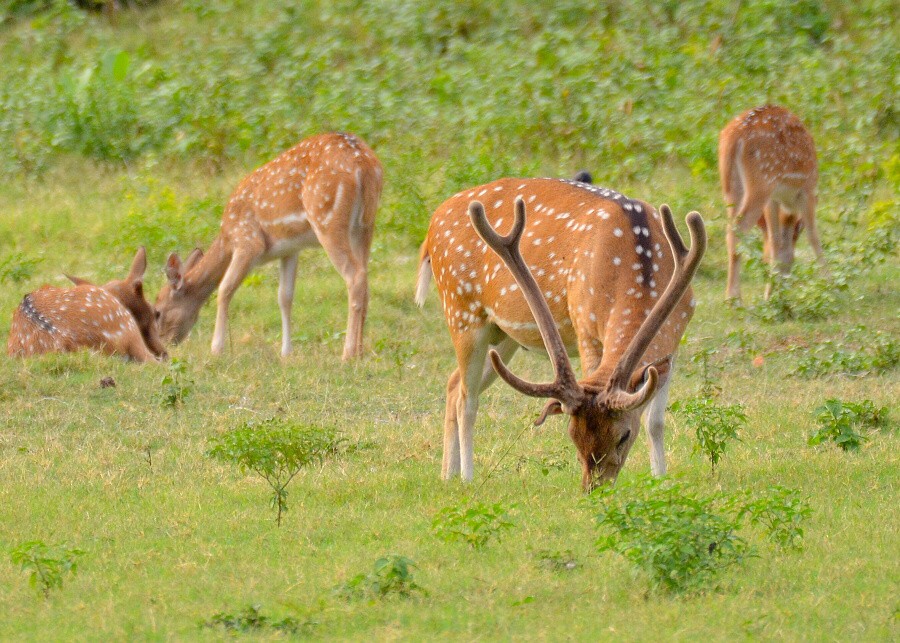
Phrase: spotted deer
(768, 167)
(114, 318)
(592, 273)
(325, 190)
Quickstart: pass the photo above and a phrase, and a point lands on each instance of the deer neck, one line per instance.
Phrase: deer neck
(203, 278)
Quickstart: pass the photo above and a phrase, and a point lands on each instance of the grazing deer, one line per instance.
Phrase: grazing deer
(324, 190)
(767, 162)
(115, 319)
(590, 273)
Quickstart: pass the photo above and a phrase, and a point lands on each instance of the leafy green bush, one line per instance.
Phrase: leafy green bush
(475, 524)
(860, 351)
(276, 450)
(391, 575)
(16, 267)
(838, 422)
(681, 539)
(251, 620)
(781, 512)
(715, 425)
(47, 564)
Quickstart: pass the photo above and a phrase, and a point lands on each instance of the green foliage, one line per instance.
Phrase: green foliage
(838, 422)
(276, 450)
(251, 620)
(16, 267)
(682, 540)
(714, 424)
(398, 351)
(391, 575)
(859, 351)
(781, 512)
(557, 561)
(47, 564)
(474, 524)
(176, 384)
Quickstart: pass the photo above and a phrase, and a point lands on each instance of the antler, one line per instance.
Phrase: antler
(686, 262)
(566, 388)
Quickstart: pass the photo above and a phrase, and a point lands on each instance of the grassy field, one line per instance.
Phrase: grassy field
(135, 132)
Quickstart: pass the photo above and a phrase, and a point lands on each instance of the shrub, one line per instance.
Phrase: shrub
(475, 524)
(176, 384)
(682, 540)
(715, 425)
(838, 422)
(781, 512)
(251, 620)
(16, 267)
(860, 351)
(47, 565)
(276, 450)
(391, 575)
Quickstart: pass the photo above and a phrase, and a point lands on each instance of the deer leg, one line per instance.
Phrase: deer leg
(237, 270)
(450, 464)
(357, 307)
(656, 413)
(506, 347)
(746, 217)
(812, 232)
(286, 282)
(471, 358)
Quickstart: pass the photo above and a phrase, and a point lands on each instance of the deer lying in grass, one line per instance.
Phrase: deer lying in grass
(114, 318)
(767, 162)
(325, 191)
(590, 272)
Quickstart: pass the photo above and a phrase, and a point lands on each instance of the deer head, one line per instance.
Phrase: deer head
(604, 415)
(130, 291)
(177, 307)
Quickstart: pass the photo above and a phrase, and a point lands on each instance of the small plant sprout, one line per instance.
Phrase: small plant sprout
(276, 450)
(680, 539)
(838, 422)
(715, 425)
(47, 565)
(176, 384)
(475, 524)
(391, 575)
(398, 351)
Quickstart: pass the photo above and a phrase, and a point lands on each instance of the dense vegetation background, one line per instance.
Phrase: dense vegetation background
(132, 128)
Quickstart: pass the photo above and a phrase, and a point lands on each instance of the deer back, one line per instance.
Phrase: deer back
(765, 147)
(61, 320)
(601, 261)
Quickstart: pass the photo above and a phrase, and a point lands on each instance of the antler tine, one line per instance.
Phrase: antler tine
(686, 262)
(566, 388)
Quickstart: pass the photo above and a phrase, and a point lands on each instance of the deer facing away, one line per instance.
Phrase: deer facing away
(114, 318)
(325, 190)
(768, 167)
(591, 273)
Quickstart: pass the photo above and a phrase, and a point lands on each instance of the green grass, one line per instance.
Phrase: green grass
(172, 537)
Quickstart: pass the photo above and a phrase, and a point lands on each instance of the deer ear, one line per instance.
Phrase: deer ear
(195, 256)
(552, 407)
(138, 266)
(662, 366)
(78, 281)
(175, 271)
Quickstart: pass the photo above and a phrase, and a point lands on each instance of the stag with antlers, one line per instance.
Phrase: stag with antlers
(590, 274)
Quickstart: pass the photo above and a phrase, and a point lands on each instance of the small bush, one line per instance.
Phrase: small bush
(475, 524)
(251, 620)
(682, 540)
(276, 450)
(781, 512)
(859, 352)
(391, 575)
(47, 565)
(16, 267)
(838, 422)
(715, 425)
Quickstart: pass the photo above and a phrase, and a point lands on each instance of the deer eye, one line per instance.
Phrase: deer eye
(157, 314)
(624, 439)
